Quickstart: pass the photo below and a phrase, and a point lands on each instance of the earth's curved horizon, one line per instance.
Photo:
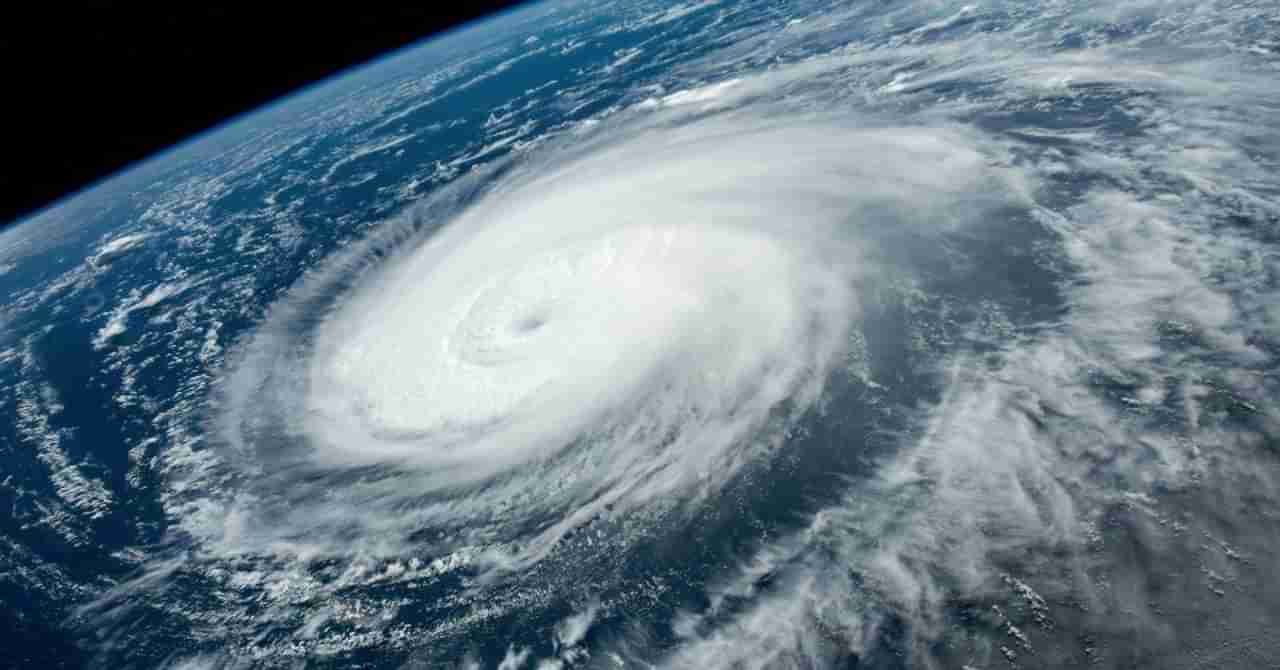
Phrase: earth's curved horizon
(673, 335)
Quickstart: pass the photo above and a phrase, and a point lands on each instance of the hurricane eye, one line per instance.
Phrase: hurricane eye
(528, 324)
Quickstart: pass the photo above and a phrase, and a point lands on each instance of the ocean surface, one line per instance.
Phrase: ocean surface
(673, 335)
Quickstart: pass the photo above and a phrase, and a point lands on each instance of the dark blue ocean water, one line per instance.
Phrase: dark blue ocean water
(123, 307)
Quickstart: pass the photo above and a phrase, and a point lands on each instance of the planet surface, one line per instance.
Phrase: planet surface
(674, 335)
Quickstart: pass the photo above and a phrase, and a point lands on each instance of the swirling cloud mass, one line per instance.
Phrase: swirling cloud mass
(620, 323)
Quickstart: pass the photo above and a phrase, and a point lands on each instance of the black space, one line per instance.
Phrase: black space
(92, 87)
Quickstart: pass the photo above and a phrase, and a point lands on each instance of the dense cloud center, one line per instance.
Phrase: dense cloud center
(649, 290)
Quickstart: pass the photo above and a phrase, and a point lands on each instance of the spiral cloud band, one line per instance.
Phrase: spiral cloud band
(622, 324)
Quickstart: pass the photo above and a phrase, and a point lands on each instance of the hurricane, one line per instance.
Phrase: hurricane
(618, 329)
(609, 329)
(688, 336)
